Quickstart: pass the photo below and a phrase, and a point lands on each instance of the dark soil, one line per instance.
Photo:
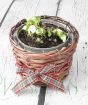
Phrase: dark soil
(38, 41)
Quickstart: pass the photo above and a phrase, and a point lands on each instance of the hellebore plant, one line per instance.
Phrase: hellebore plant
(35, 26)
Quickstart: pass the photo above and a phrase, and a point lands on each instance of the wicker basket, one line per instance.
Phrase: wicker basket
(35, 58)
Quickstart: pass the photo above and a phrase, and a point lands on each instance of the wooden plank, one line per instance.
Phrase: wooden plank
(19, 10)
(76, 12)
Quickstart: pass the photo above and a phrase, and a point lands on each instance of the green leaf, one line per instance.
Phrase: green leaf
(29, 33)
(49, 32)
(59, 31)
(36, 20)
(28, 25)
(61, 34)
(40, 31)
(33, 21)
(54, 31)
(63, 37)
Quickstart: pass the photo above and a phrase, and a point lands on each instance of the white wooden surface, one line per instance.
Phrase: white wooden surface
(74, 11)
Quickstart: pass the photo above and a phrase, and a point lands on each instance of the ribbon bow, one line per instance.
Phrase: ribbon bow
(43, 75)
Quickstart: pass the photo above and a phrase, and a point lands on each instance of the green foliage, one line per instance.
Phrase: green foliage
(36, 20)
(28, 25)
(61, 34)
(29, 33)
(40, 30)
(33, 21)
(49, 31)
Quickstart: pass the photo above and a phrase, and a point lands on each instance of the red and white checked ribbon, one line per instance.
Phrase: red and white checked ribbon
(43, 75)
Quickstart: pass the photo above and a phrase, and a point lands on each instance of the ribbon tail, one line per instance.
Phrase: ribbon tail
(51, 82)
(27, 81)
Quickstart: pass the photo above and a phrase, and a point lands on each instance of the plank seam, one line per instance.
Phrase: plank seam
(58, 6)
(7, 11)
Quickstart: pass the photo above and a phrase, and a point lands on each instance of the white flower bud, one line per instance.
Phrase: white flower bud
(24, 28)
(32, 29)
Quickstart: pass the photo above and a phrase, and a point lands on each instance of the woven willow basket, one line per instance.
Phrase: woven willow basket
(36, 57)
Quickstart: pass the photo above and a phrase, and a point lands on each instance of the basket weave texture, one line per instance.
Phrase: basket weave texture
(61, 58)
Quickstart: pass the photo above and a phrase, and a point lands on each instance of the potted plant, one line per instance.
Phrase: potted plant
(41, 35)
(44, 44)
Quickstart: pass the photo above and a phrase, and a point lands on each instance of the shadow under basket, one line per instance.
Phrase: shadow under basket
(60, 55)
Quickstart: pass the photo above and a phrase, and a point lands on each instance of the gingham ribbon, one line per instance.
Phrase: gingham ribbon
(42, 75)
